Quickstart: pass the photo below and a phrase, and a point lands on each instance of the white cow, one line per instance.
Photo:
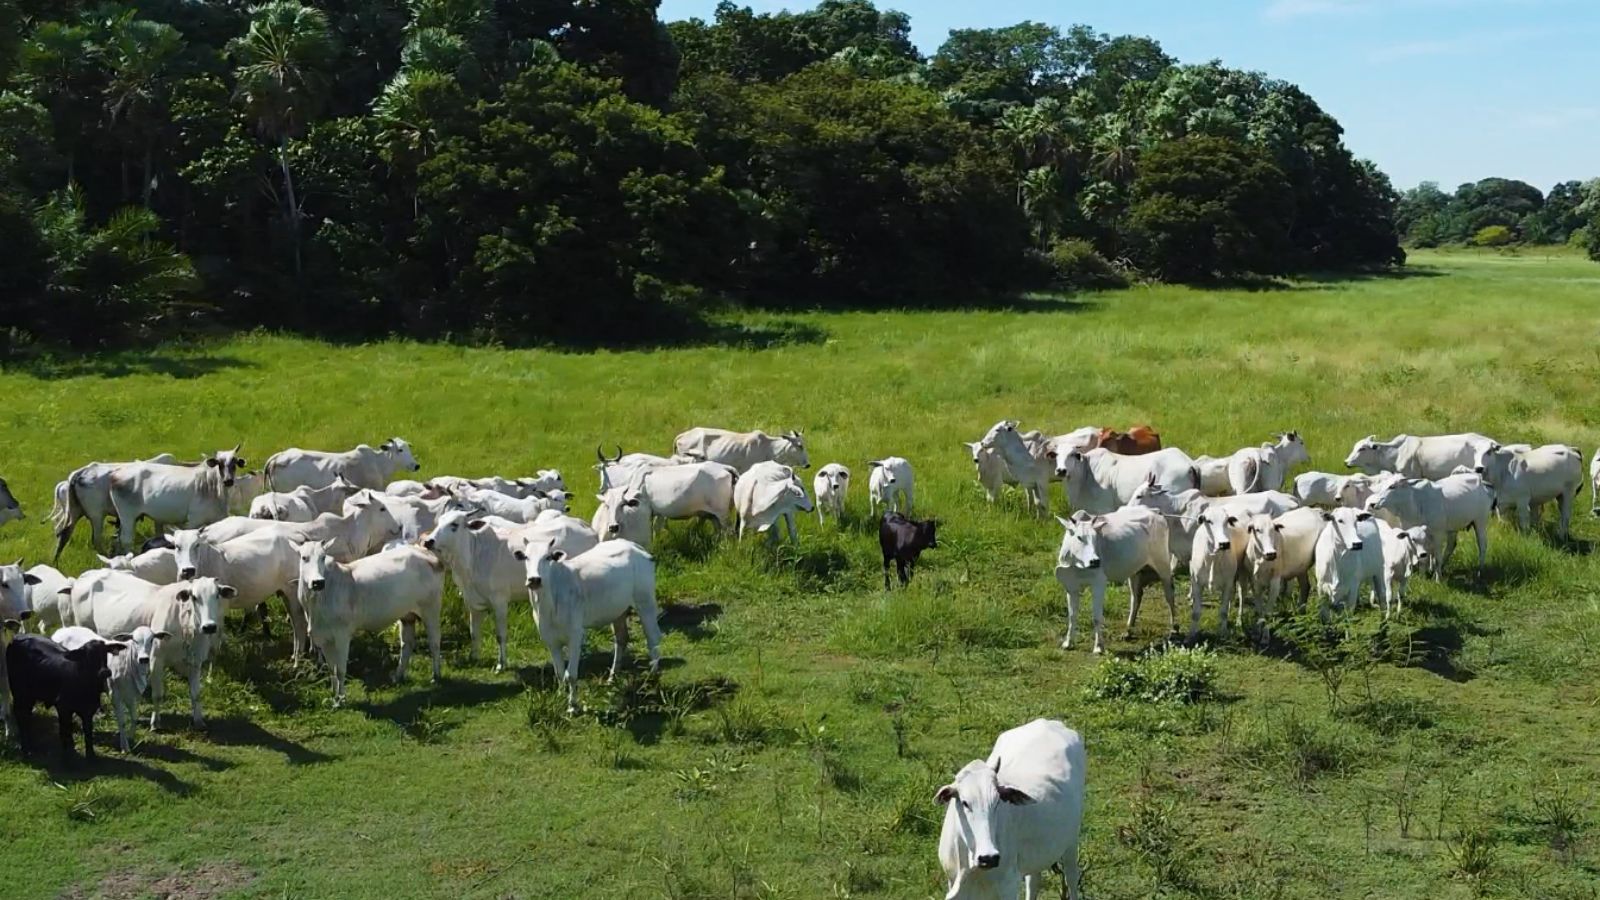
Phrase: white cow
(157, 566)
(1525, 480)
(1100, 481)
(1278, 549)
(188, 614)
(1265, 468)
(366, 524)
(1329, 490)
(86, 494)
(516, 509)
(1118, 546)
(697, 490)
(767, 494)
(259, 565)
(1594, 484)
(404, 585)
(406, 487)
(303, 503)
(891, 484)
(573, 594)
(1010, 818)
(173, 495)
(49, 598)
(16, 593)
(1405, 552)
(830, 484)
(568, 534)
(741, 450)
(10, 509)
(621, 469)
(1445, 507)
(1219, 544)
(1024, 459)
(246, 488)
(1416, 457)
(483, 562)
(546, 481)
(363, 467)
(416, 515)
(130, 671)
(1349, 552)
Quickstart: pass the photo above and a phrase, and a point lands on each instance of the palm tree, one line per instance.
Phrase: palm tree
(1116, 149)
(54, 62)
(137, 56)
(1040, 193)
(282, 78)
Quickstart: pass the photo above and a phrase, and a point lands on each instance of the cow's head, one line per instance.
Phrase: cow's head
(186, 548)
(537, 557)
(831, 479)
(976, 449)
(1493, 462)
(789, 448)
(313, 565)
(16, 601)
(795, 495)
(624, 513)
(974, 800)
(228, 463)
(1353, 491)
(400, 451)
(10, 509)
(1345, 526)
(1372, 456)
(1078, 550)
(1002, 432)
(375, 524)
(1291, 449)
(94, 658)
(1414, 553)
(880, 472)
(206, 596)
(559, 499)
(1068, 464)
(142, 642)
(1215, 534)
(544, 480)
(1264, 536)
(451, 529)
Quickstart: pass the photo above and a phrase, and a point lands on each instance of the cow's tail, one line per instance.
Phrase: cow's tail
(1252, 467)
(266, 471)
(65, 510)
(1194, 476)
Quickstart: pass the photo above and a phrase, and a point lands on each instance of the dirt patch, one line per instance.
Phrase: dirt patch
(204, 882)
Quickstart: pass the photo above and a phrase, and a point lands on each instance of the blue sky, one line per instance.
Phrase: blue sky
(1432, 90)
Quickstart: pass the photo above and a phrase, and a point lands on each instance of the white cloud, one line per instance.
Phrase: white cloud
(1473, 42)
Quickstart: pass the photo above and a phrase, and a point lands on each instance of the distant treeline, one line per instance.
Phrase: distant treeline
(1499, 211)
(547, 170)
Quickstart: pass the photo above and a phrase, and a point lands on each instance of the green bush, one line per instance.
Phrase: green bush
(1075, 264)
(1160, 675)
(1493, 236)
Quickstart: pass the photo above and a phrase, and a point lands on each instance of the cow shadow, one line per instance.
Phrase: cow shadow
(234, 731)
(690, 619)
(1437, 643)
(693, 542)
(650, 708)
(65, 770)
(147, 749)
(414, 711)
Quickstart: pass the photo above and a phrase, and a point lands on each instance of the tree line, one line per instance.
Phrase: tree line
(551, 170)
(1499, 211)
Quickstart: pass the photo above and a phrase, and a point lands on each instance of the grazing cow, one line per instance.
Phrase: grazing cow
(1445, 507)
(619, 470)
(1349, 552)
(158, 566)
(49, 598)
(1277, 549)
(10, 509)
(1218, 547)
(696, 490)
(484, 564)
(16, 592)
(1525, 480)
(1025, 459)
(1100, 481)
(1010, 818)
(1125, 545)
(42, 671)
(405, 487)
(767, 494)
(516, 509)
(891, 484)
(1136, 441)
(130, 671)
(902, 542)
(1416, 457)
(363, 467)
(184, 496)
(1405, 552)
(188, 613)
(303, 503)
(365, 523)
(741, 450)
(404, 585)
(1265, 468)
(830, 484)
(86, 494)
(571, 594)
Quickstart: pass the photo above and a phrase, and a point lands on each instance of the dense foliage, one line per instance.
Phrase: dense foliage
(1497, 211)
(554, 169)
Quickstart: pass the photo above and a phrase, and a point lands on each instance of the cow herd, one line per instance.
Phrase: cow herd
(352, 545)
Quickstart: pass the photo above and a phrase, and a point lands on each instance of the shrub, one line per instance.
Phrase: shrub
(1302, 748)
(1493, 236)
(1160, 675)
(1075, 265)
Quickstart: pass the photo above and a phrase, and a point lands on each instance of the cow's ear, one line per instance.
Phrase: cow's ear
(30, 578)
(185, 595)
(11, 625)
(163, 635)
(211, 462)
(631, 503)
(600, 497)
(1403, 536)
(1326, 516)
(240, 462)
(123, 636)
(557, 555)
(1363, 516)
(1278, 526)
(1065, 523)
(520, 555)
(1233, 521)
(115, 648)
(945, 794)
(1014, 796)
(227, 591)
(476, 525)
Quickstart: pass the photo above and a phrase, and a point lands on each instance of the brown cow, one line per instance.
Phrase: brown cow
(1136, 441)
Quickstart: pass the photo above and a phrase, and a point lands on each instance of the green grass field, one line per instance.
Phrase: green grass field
(804, 718)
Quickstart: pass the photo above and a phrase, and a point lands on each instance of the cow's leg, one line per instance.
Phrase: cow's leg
(1196, 599)
(261, 614)
(574, 650)
(1564, 510)
(158, 690)
(1135, 597)
(1526, 512)
(619, 644)
(195, 714)
(1480, 530)
(1030, 885)
(910, 502)
(123, 714)
(64, 721)
(431, 616)
(649, 621)
(1098, 610)
(886, 559)
(1072, 616)
(474, 626)
(502, 611)
(408, 639)
(87, 720)
(1070, 873)
(903, 568)
(794, 536)
(340, 663)
(1226, 602)
(299, 624)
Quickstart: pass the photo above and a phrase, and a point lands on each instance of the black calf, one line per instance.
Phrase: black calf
(903, 541)
(40, 671)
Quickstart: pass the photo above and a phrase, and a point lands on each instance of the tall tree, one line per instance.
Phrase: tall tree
(139, 55)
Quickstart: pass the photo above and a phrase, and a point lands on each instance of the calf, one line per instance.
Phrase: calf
(10, 509)
(16, 593)
(830, 484)
(573, 594)
(1525, 480)
(371, 594)
(1349, 552)
(41, 671)
(1405, 551)
(524, 509)
(484, 564)
(1010, 818)
(1214, 565)
(767, 494)
(130, 671)
(1128, 544)
(902, 542)
(303, 503)
(1136, 441)
(1445, 507)
(363, 467)
(891, 485)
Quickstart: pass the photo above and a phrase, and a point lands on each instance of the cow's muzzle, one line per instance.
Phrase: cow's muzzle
(1479, 470)
(210, 628)
(1269, 557)
(535, 582)
(186, 573)
(318, 584)
(1225, 545)
(25, 615)
(1094, 563)
(989, 861)
(1357, 545)
(428, 544)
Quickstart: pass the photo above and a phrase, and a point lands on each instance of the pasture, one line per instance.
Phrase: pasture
(804, 718)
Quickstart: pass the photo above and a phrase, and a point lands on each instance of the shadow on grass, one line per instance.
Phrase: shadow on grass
(667, 334)
(413, 710)
(45, 754)
(234, 731)
(146, 749)
(174, 362)
(1315, 281)
(1442, 637)
(689, 619)
(1009, 302)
